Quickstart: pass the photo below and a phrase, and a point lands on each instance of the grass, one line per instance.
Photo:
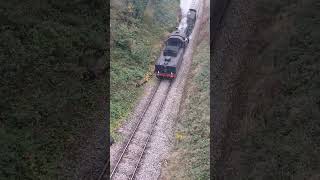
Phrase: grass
(192, 131)
(136, 43)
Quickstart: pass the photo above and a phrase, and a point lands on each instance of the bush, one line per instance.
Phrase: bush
(46, 101)
(284, 143)
(132, 53)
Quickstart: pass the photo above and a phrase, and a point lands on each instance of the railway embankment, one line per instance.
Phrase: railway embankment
(265, 91)
(129, 72)
(137, 32)
(158, 147)
(192, 127)
(191, 130)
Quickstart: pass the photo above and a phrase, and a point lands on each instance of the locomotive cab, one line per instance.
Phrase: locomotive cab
(172, 48)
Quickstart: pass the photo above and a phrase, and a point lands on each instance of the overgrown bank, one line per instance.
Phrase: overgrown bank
(266, 90)
(190, 156)
(138, 30)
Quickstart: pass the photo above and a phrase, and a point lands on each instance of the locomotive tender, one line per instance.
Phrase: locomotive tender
(192, 17)
(170, 60)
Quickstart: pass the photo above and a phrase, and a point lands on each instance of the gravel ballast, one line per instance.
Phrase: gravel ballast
(162, 135)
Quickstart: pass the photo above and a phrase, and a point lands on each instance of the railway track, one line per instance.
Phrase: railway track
(127, 165)
(128, 162)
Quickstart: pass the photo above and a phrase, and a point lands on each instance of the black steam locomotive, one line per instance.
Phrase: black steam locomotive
(170, 60)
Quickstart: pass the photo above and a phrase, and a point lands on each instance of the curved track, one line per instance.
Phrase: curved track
(129, 160)
(132, 153)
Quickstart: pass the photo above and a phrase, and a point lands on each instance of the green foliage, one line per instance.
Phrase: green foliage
(133, 48)
(139, 7)
(166, 9)
(286, 144)
(192, 131)
(47, 100)
(273, 7)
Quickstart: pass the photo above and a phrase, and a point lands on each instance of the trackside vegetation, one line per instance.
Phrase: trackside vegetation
(267, 94)
(192, 130)
(285, 141)
(52, 82)
(138, 29)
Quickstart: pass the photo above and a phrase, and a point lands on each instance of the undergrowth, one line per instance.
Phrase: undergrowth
(137, 33)
(47, 50)
(285, 141)
(192, 133)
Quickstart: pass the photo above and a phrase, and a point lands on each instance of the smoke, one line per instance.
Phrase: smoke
(185, 5)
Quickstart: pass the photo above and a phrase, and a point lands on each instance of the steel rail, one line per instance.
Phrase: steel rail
(135, 130)
(150, 134)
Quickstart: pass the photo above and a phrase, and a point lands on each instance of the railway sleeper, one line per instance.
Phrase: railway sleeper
(145, 131)
(120, 176)
(141, 137)
(133, 155)
(135, 148)
(130, 161)
(125, 169)
(145, 125)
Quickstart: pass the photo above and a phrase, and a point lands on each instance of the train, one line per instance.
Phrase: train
(191, 18)
(171, 58)
(168, 64)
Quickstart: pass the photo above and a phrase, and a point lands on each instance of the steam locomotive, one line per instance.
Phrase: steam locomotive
(171, 58)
